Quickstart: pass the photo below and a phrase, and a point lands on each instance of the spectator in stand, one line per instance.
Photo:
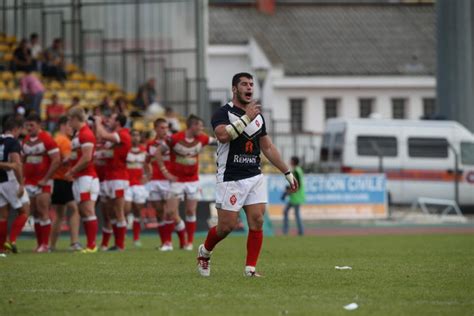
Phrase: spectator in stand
(36, 50)
(106, 106)
(75, 102)
(53, 112)
(22, 60)
(121, 107)
(32, 91)
(172, 118)
(53, 65)
(146, 94)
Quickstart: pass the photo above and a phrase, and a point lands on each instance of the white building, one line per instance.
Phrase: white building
(324, 60)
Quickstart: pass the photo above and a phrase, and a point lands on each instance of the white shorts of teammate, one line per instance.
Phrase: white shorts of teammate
(115, 189)
(34, 190)
(136, 194)
(9, 195)
(158, 190)
(233, 195)
(85, 188)
(190, 190)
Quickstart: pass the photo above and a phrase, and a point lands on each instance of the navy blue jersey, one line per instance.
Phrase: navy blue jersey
(239, 158)
(8, 145)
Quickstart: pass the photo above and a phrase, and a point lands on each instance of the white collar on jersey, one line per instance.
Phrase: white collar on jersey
(7, 135)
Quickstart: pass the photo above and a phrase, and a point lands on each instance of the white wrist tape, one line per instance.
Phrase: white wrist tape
(290, 178)
(236, 128)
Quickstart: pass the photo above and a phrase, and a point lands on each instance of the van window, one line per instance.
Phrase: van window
(467, 153)
(337, 148)
(371, 145)
(427, 147)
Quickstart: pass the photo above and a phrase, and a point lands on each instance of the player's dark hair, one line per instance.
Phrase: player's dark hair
(122, 119)
(236, 78)
(295, 160)
(33, 117)
(11, 122)
(159, 121)
(62, 120)
(192, 119)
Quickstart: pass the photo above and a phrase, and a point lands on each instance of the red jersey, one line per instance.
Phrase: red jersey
(185, 156)
(36, 151)
(83, 138)
(100, 162)
(116, 155)
(135, 163)
(151, 148)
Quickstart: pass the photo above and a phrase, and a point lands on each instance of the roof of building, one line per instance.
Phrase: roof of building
(335, 39)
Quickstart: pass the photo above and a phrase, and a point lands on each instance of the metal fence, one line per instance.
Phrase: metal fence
(124, 41)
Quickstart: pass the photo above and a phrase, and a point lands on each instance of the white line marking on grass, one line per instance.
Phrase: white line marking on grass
(95, 292)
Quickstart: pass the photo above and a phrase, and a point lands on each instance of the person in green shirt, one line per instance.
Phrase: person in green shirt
(295, 199)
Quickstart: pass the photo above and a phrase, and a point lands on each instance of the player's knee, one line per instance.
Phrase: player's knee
(256, 222)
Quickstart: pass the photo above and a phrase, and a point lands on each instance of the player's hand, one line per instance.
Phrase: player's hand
(43, 182)
(21, 191)
(170, 177)
(97, 119)
(292, 182)
(68, 174)
(252, 109)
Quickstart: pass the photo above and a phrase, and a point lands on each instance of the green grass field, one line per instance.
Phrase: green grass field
(391, 275)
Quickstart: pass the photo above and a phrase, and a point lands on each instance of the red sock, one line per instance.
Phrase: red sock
(17, 227)
(254, 244)
(121, 232)
(190, 229)
(161, 232)
(169, 228)
(106, 233)
(38, 232)
(3, 233)
(136, 229)
(45, 231)
(91, 228)
(212, 239)
(114, 229)
(181, 231)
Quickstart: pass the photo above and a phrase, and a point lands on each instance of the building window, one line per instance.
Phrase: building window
(296, 114)
(399, 108)
(429, 107)
(427, 147)
(365, 107)
(331, 108)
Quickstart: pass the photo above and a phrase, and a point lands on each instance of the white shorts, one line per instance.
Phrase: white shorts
(190, 190)
(34, 190)
(136, 194)
(233, 195)
(9, 195)
(85, 188)
(115, 189)
(158, 190)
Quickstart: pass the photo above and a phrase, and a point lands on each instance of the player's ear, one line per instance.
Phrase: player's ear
(234, 89)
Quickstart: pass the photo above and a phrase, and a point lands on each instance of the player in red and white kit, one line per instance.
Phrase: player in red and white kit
(117, 146)
(41, 159)
(158, 156)
(136, 194)
(185, 147)
(85, 186)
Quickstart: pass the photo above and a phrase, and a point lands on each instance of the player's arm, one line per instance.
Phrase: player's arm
(15, 159)
(103, 134)
(273, 155)
(161, 165)
(147, 168)
(86, 158)
(228, 131)
(55, 162)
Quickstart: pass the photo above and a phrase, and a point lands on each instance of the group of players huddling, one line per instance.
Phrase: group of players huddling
(105, 160)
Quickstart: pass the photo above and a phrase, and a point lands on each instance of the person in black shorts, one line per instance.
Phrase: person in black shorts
(62, 198)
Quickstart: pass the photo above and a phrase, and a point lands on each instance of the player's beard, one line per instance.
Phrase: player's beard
(241, 99)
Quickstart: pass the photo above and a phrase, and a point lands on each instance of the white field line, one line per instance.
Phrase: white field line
(94, 292)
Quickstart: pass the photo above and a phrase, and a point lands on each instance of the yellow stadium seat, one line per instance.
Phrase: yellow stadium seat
(4, 48)
(77, 76)
(84, 85)
(6, 75)
(130, 96)
(111, 87)
(71, 68)
(139, 125)
(10, 39)
(71, 85)
(11, 84)
(90, 77)
(19, 74)
(8, 57)
(47, 95)
(63, 94)
(2, 85)
(5, 95)
(98, 85)
(55, 85)
(16, 94)
(92, 96)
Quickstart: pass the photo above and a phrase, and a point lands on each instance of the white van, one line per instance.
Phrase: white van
(416, 155)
